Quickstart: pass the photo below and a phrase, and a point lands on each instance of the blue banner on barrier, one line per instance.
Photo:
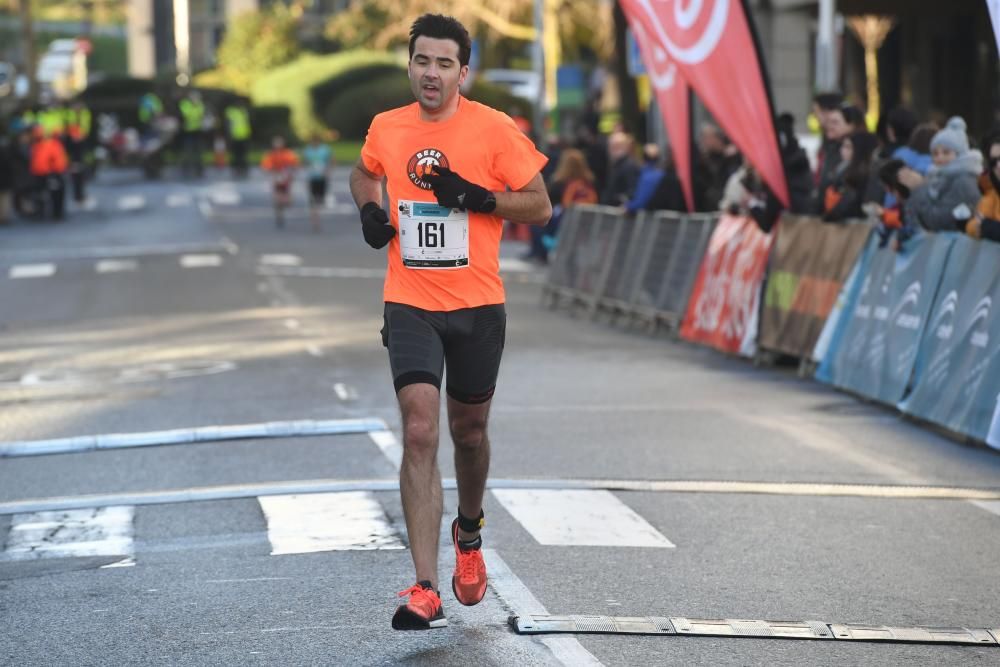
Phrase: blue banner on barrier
(957, 374)
(877, 348)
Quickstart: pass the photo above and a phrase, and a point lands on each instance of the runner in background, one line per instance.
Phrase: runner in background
(319, 162)
(455, 169)
(281, 163)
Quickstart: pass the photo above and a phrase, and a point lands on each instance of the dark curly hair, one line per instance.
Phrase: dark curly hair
(439, 26)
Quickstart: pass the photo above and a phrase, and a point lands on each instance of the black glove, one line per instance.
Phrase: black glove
(453, 191)
(375, 225)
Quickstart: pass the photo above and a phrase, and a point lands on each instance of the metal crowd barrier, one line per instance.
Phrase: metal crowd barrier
(642, 267)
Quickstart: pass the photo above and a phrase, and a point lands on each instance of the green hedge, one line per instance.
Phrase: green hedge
(351, 112)
(291, 84)
(326, 92)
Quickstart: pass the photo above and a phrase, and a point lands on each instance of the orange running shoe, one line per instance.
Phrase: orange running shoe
(469, 581)
(422, 611)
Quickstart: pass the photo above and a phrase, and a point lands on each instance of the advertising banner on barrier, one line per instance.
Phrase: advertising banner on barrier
(877, 349)
(956, 381)
(722, 310)
(810, 261)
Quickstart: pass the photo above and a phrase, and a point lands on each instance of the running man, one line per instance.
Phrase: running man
(455, 170)
(282, 163)
(319, 161)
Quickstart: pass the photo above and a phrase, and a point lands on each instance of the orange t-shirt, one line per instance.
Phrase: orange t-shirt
(278, 159)
(484, 147)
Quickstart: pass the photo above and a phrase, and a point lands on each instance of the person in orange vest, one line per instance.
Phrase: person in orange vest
(281, 163)
(49, 163)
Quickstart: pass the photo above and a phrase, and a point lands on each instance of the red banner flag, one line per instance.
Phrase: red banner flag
(672, 94)
(712, 46)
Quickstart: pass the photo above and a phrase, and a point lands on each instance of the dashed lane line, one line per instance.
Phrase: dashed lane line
(280, 260)
(200, 261)
(32, 271)
(103, 252)
(116, 265)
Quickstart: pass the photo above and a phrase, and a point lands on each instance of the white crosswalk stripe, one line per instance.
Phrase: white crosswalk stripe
(104, 531)
(116, 265)
(131, 203)
(579, 518)
(32, 270)
(327, 522)
(280, 260)
(179, 199)
(197, 261)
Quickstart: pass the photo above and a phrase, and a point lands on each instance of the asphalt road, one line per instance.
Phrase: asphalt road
(175, 305)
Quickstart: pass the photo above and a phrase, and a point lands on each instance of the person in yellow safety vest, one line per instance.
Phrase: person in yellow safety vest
(78, 122)
(52, 121)
(239, 130)
(192, 117)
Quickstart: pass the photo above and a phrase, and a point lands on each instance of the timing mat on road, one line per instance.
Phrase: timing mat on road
(539, 624)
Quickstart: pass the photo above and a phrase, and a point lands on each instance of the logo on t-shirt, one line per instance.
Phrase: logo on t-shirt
(420, 165)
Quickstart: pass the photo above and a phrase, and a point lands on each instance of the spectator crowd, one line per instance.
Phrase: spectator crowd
(908, 175)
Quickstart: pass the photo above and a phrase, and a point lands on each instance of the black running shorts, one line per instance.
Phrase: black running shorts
(317, 190)
(468, 341)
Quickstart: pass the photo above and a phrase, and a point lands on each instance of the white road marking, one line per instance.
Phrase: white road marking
(280, 260)
(131, 203)
(579, 518)
(386, 441)
(89, 204)
(230, 245)
(515, 265)
(320, 272)
(179, 199)
(283, 429)
(314, 350)
(32, 270)
(327, 522)
(509, 588)
(234, 491)
(205, 208)
(245, 581)
(992, 506)
(103, 531)
(116, 265)
(196, 261)
(292, 324)
(103, 252)
(345, 392)
(226, 198)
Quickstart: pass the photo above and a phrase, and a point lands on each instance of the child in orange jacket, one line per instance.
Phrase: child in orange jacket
(282, 163)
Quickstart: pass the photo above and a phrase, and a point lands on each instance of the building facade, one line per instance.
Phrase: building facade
(939, 59)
